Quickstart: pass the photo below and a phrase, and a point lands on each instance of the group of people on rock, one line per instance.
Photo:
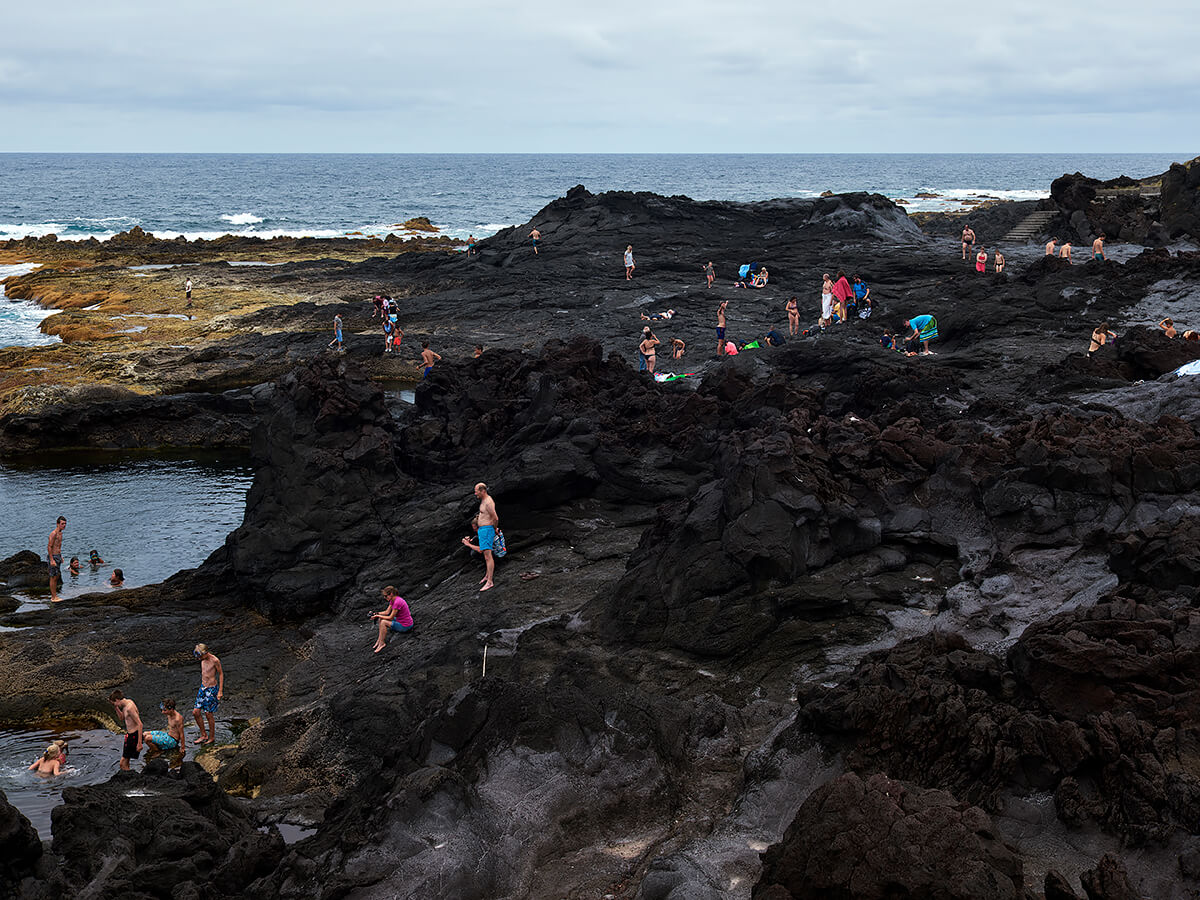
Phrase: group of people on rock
(54, 559)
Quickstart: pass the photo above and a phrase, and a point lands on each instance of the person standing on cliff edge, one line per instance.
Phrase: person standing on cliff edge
(54, 557)
(488, 521)
(212, 686)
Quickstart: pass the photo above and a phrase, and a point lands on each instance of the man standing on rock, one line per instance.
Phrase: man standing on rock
(212, 686)
(54, 558)
(1098, 248)
(721, 327)
(968, 239)
(536, 236)
(488, 522)
(127, 713)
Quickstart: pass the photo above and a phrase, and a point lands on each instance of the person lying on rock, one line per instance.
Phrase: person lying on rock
(1169, 327)
(669, 314)
(393, 617)
(171, 740)
(49, 763)
(1101, 336)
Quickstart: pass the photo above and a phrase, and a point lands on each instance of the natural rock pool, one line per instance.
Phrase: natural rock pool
(148, 515)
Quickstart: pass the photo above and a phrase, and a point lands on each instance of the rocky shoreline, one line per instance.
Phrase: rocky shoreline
(820, 621)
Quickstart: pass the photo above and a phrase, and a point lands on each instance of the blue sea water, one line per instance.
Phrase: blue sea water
(207, 195)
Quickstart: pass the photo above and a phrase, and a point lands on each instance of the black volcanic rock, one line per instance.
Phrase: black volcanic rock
(877, 839)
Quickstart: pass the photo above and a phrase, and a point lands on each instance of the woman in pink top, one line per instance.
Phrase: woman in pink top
(396, 617)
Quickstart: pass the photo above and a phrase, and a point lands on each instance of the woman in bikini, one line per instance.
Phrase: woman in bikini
(793, 311)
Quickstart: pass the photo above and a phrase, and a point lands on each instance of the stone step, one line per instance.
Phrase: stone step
(1030, 225)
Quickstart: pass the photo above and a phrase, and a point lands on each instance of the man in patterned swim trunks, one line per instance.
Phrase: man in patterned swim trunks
(212, 685)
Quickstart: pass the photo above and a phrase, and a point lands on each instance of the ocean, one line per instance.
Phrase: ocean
(78, 196)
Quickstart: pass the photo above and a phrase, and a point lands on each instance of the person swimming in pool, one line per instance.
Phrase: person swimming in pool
(49, 763)
(171, 740)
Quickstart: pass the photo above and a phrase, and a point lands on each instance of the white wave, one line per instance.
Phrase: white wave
(23, 230)
(242, 219)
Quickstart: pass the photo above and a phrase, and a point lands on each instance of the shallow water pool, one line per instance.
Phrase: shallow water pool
(93, 757)
(147, 515)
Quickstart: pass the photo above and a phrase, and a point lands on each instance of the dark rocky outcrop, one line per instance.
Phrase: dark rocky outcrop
(877, 839)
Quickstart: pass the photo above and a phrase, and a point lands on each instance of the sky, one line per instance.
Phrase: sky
(660, 76)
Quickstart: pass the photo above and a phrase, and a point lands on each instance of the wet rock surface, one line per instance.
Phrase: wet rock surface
(812, 592)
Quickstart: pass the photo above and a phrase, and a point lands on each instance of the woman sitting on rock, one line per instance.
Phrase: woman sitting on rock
(394, 617)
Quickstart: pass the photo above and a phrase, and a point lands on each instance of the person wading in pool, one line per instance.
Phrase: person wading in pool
(212, 687)
(54, 557)
(488, 522)
(127, 712)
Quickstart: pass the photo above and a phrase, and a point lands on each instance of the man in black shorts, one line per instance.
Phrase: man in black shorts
(54, 557)
(127, 712)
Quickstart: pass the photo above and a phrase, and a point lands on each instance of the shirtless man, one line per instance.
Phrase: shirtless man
(212, 686)
(1098, 248)
(171, 740)
(127, 712)
(1050, 246)
(793, 314)
(428, 358)
(537, 236)
(1064, 252)
(721, 327)
(488, 522)
(968, 239)
(54, 557)
(646, 348)
(710, 273)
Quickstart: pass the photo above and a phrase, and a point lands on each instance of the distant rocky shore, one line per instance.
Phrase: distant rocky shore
(820, 620)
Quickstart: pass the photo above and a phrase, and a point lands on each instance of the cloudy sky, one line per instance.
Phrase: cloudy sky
(616, 76)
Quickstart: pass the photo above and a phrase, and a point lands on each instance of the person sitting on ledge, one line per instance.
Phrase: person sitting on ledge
(394, 617)
(669, 314)
(1100, 337)
(1169, 327)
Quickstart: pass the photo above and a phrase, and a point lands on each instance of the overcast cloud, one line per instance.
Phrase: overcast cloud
(755, 76)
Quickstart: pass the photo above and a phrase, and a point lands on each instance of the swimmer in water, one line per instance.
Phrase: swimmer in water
(50, 762)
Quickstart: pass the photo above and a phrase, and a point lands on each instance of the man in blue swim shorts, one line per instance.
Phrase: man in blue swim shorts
(212, 685)
(170, 740)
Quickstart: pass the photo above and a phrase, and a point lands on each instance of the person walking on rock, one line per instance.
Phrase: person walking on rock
(488, 521)
(127, 714)
(968, 240)
(337, 331)
(54, 558)
(212, 686)
(629, 266)
(721, 327)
